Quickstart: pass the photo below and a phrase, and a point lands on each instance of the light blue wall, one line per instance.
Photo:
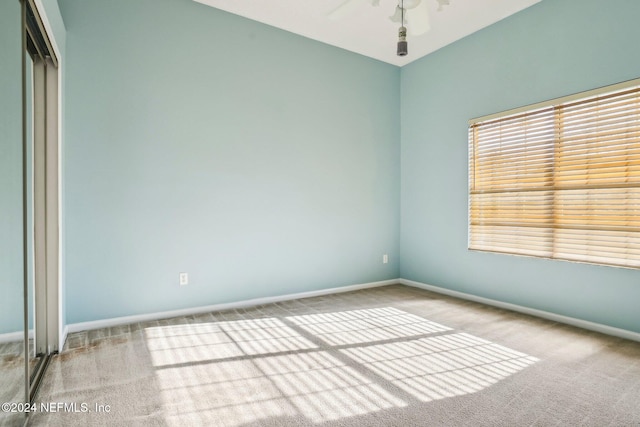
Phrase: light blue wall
(11, 270)
(555, 48)
(259, 162)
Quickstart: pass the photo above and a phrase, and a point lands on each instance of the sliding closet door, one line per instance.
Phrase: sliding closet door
(29, 205)
(41, 195)
(33, 356)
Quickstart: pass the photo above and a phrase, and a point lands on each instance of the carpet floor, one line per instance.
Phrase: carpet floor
(388, 356)
(11, 380)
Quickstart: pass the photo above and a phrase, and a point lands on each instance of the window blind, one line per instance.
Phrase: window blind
(560, 180)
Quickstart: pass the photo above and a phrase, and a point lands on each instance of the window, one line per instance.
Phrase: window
(560, 179)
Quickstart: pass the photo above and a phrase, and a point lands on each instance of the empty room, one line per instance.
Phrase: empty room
(319, 213)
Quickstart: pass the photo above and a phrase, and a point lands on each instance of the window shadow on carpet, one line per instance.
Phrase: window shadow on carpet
(317, 368)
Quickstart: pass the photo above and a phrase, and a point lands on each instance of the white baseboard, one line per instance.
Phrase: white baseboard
(11, 337)
(105, 323)
(597, 327)
(15, 336)
(19, 336)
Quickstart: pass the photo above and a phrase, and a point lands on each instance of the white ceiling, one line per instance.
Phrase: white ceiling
(367, 29)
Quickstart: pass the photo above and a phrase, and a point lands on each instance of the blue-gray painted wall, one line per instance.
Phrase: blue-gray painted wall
(11, 267)
(259, 162)
(555, 48)
(266, 163)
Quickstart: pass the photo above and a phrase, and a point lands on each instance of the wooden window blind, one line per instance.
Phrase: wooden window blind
(560, 180)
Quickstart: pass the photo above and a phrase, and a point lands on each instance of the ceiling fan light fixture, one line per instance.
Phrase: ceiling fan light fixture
(403, 47)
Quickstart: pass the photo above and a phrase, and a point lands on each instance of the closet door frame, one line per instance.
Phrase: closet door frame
(46, 192)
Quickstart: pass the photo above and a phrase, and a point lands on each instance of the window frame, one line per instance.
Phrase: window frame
(557, 106)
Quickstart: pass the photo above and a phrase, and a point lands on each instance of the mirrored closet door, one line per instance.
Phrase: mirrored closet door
(29, 204)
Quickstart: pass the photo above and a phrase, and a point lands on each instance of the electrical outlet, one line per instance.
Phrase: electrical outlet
(184, 279)
(385, 258)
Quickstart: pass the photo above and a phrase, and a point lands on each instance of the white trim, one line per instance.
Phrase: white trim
(62, 329)
(584, 324)
(48, 28)
(105, 323)
(63, 337)
(12, 337)
(15, 336)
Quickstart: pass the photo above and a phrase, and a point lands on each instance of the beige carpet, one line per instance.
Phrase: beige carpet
(391, 356)
(11, 380)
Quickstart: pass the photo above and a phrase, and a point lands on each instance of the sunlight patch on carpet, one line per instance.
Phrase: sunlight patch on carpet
(443, 366)
(365, 326)
(318, 367)
(316, 386)
(175, 344)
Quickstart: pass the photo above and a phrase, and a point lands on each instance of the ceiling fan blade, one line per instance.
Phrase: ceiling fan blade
(418, 19)
(442, 3)
(397, 15)
(345, 9)
(410, 4)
